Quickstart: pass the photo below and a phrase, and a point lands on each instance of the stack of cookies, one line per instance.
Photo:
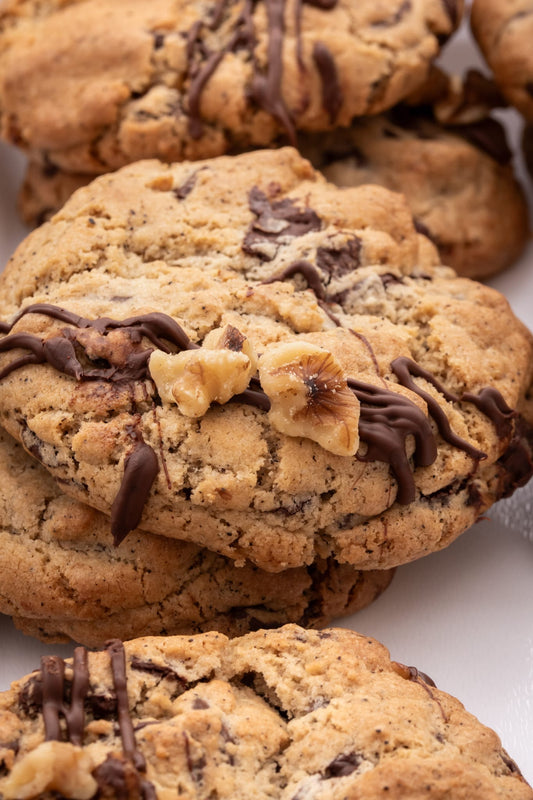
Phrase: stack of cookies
(236, 354)
(234, 395)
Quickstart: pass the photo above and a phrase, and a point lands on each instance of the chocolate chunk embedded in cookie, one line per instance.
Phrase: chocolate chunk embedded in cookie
(281, 714)
(457, 178)
(265, 364)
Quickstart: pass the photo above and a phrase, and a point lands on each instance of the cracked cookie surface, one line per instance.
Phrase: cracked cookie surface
(90, 85)
(84, 588)
(157, 257)
(286, 714)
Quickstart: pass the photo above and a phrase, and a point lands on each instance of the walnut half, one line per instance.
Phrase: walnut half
(215, 372)
(310, 396)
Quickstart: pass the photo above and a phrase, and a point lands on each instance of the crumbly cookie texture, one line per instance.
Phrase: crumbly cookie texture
(84, 588)
(288, 713)
(457, 178)
(504, 31)
(90, 85)
(156, 257)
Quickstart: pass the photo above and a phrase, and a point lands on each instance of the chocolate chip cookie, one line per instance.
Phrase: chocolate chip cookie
(288, 713)
(236, 353)
(451, 159)
(504, 31)
(85, 588)
(90, 86)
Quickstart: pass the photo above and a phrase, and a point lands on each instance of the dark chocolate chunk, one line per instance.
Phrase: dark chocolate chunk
(275, 221)
(342, 260)
(343, 765)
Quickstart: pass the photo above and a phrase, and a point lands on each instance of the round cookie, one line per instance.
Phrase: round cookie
(90, 86)
(458, 180)
(336, 393)
(504, 31)
(288, 713)
(84, 588)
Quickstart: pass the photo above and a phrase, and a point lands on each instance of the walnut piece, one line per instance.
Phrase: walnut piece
(310, 396)
(215, 372)
(52, 767)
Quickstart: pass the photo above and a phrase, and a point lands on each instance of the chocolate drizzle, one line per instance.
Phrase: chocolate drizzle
(266, 86)
(307, 271)
(115, 648)
(53, 702)
(387, 418)
(331, 90)
(141, 467)
(113, 771)
(489, 401)
(404, 369)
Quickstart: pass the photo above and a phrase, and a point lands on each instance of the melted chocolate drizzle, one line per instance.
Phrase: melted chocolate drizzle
(265, 88)
(386, 420)
(307, 271)
(54, 688)
(331, 89)
(386, 417)
(141, 467)
(53, 702)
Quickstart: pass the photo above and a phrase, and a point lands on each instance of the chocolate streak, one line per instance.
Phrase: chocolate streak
(387, 418)
(265, 89)
(53, 680)
(54, 688)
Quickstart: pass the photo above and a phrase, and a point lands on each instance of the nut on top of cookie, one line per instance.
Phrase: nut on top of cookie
(235, 352)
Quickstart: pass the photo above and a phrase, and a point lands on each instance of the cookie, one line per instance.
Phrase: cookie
(90, 86)
(443, 150)
(84, 588)
(288, 713)
(504, 31)
(236, 353)
(463, 192)
(454, 166)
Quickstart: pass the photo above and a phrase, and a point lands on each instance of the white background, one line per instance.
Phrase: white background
(464, 616)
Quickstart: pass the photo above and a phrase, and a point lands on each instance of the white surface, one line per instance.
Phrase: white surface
(464, 616)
